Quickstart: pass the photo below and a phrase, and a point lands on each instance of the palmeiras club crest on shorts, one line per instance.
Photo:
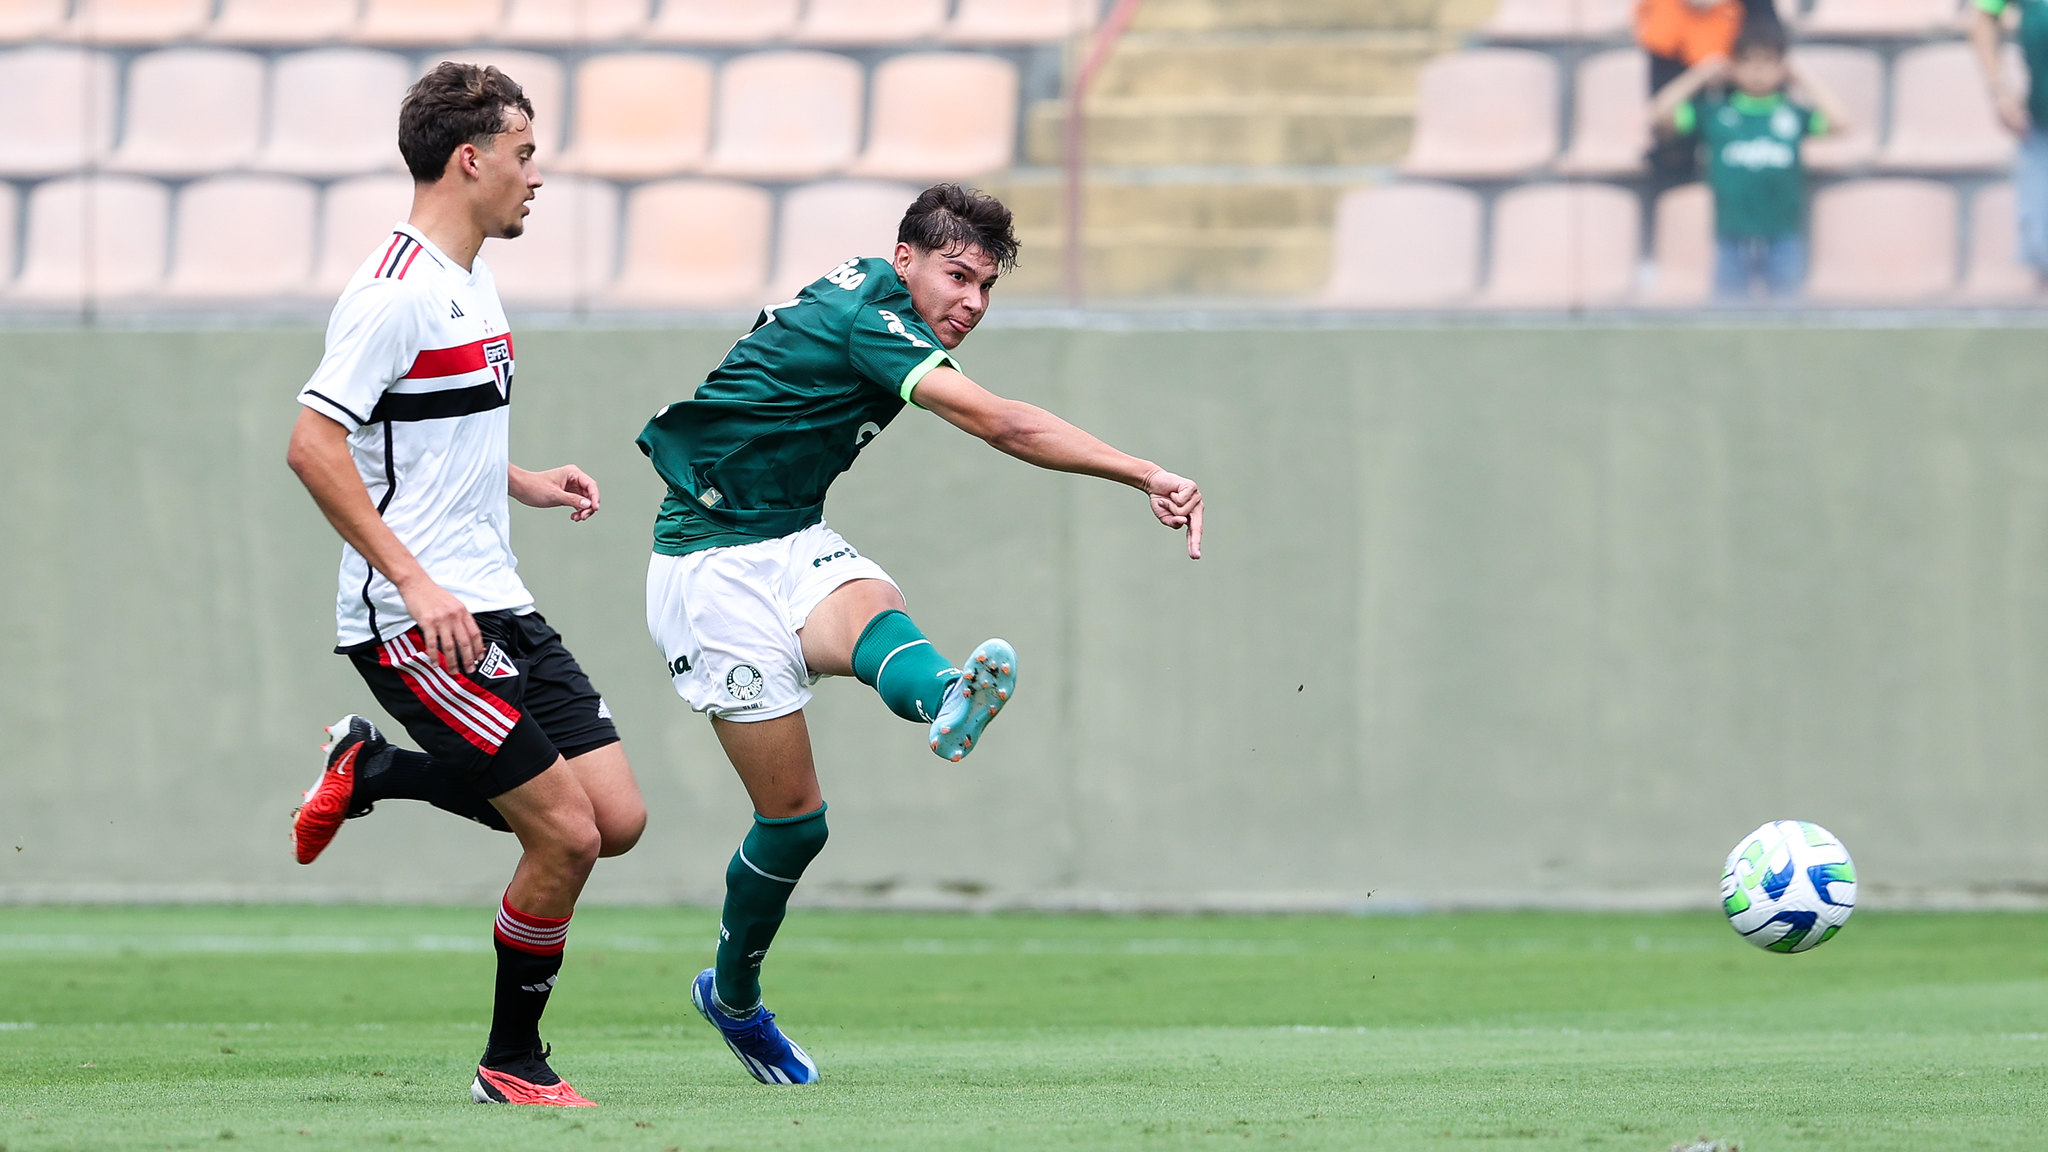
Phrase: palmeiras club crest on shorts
(744, 682)
(496, 665)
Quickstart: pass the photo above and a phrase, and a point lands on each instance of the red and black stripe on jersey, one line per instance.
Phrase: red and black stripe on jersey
(398, 257)
(492, 352)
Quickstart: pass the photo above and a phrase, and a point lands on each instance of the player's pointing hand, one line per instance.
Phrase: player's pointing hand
(1177, 501)
(565, 487)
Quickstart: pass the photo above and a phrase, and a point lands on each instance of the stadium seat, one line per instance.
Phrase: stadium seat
(333, 112)
(1682, 248)
(1942, 117)
(694, 244)
(1875, 18)
(1405, 246)
(1489, 113)
(1996, 271)
(539, 74)
(554, 22)
(721, 22)
(10, 230)
(355, 216)
(640, 114)
(941, 115)
(28, 19)
(282, 21)
(93, 238)
(826, 224)
(1883, 242)
(569, 250)
(191, 111)
(870, 21)
(1563, 246)
(1018, 21)
(786, 116)
(1856, 77)
(60, 109)
(136, 21)
(1542, 20)
(1611, 115)
(420, 22)
(242, 238)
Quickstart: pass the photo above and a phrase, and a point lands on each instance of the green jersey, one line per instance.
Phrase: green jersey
(1753, 161)
(749, 457)
(2034, 47)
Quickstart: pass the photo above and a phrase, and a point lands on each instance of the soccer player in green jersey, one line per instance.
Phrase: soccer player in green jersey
(751, 597)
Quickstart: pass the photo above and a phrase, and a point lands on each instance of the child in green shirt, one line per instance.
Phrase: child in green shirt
(1752, 132)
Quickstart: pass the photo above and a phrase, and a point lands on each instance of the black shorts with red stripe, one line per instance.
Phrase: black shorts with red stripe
(502, 722)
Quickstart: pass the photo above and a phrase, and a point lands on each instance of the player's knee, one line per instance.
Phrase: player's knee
(576, 845)
(806, 838)
(621, 830)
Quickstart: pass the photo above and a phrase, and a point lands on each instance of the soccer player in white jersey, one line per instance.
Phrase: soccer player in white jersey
(751, 597)
(402, 441)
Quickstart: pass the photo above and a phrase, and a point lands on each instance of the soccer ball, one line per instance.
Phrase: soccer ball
(1789, 886)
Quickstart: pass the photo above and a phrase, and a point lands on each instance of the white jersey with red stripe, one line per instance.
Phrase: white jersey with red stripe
(419, 370)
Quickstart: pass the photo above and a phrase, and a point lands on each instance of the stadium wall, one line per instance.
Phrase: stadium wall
(1490, 616)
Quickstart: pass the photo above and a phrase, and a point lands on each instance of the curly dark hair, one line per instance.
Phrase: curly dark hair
(452, 105)
(950, 219)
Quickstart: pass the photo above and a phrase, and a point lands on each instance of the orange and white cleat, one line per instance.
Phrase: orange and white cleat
(984, 686)
(525, 1080)
(332, 798)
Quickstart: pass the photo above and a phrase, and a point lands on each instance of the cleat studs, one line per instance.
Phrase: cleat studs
(957, 756)
(1002, 695)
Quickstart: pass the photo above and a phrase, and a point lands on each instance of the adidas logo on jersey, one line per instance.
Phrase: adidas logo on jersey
(454, 310)
(496, 665)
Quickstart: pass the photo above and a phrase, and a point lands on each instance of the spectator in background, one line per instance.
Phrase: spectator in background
(1752, 130)
(2024, 112)
(1679, 34)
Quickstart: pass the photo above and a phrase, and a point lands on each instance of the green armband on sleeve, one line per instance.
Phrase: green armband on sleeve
(910, 379)
(1686, 118)
(1991, 7)
(1817, 123)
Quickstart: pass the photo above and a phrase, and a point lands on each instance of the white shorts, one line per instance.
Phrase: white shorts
(726, 619)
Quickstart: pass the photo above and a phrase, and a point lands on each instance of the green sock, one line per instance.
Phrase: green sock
(757, 886)
(895, 659)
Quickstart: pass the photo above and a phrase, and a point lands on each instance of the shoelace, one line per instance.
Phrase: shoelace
(755, 1032)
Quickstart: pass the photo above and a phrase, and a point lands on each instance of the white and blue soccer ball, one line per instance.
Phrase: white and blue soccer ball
(1789, 886)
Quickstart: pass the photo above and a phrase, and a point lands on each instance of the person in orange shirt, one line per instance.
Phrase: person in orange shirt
(1678, 34)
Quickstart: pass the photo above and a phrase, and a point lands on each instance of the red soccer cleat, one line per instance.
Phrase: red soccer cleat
(526, 1080)
(328, 803)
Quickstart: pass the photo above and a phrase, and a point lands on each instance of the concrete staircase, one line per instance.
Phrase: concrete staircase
(1220, 135)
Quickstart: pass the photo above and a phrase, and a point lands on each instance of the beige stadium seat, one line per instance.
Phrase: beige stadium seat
(1996, 271)
(569, 251)
(191, 111)
(1564, 246)
(1490, 113)
(941, 115)
(356, 216)
(60, 109)
(1559, 19)
(1902, 18)
(137, 21)
(93, 238)
(539, 75)
(334, 112)
(282, 21)
(786, 116)
(694, 244)
(640, 114)
(553, 22)
(721, 22)
(824, 225)
(1018, 21)
(1611, 115)
(10, 220)
(1942, 117)
(419, 22)
(242, 238)
(1682, 248)
(1405, 246)
(870, 21)
(1856, 77)
(28, 19)
(1883, 242)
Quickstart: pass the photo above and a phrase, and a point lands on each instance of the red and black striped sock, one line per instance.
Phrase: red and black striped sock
(529, 959)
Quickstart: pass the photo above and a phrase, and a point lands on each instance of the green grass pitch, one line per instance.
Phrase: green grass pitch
(329, 1028)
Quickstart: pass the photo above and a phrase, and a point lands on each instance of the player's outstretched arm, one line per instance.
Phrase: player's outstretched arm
(1036, 436)
(319, 454)
(565, 487)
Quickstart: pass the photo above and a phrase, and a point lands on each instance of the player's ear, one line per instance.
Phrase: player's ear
(902, 258)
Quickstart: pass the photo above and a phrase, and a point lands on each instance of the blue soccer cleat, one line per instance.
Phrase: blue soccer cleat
(772, 1057)
(974, 699)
